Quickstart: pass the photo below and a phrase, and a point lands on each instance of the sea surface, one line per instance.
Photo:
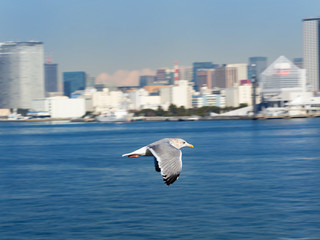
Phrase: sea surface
(243, 180)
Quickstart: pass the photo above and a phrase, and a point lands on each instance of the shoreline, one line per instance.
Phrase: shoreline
(169, 119)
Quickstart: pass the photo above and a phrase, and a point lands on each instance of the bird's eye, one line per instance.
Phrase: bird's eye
(184, 142)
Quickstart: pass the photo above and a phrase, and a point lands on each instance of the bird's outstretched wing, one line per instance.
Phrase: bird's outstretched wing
(168, 160)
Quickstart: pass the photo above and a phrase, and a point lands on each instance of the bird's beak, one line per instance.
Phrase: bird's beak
(190, 145)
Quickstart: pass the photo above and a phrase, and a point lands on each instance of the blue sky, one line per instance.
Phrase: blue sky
(99, 36)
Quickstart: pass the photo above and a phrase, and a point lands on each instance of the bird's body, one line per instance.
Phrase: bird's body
(167, 157)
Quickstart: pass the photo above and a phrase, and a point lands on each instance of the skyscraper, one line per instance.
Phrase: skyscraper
(311, 51)
(242, 71)
(164, 76)
(201, 65)
(204, 77)
(73, 81)
(256, 66)
(21, 73)
(51, 76)
(225, 77)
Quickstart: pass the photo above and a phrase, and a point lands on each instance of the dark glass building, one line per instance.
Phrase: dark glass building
(73, 81)
(256, 66)
(51, 77)
(146, 80)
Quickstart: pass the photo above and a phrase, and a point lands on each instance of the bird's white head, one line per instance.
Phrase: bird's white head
(180, 143)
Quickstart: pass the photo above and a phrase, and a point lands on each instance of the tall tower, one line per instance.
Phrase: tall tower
(21, 73)
(51, 76)
(311, 54)
(176, 72)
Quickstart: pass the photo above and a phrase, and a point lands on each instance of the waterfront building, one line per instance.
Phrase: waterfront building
(60, 107)
(245, 92)
(117, 100)
(241, 94)
(166, 96)
(151, 101)
(280, 81)
(197, 101)
(102, 101)
(209, 97)
(303, 104)
(182, 94)
(73, 81)
(141, 99)
(136, 98)
(256, 66)
(221, 97)
(311, 52)
(51, 76)
(232, 97)
(215, 98)
(21, 73)
(179, 95)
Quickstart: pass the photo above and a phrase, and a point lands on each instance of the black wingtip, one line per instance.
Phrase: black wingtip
(171, 179)
(156, 165)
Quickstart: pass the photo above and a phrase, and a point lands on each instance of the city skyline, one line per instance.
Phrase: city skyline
(124, 39)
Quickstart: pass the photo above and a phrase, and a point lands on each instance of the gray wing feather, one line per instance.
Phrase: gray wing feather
(168, 158)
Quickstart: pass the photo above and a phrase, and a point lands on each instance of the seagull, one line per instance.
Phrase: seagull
(167, 157)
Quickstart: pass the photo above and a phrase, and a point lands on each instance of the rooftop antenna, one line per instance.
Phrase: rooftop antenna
(48, 60)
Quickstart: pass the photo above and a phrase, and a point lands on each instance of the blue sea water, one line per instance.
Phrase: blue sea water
(243, 180)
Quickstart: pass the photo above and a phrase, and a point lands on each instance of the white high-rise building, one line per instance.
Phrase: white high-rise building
(182, 94)
(242, 71)
(311, 54)
(21, 73)
(140, 99)
(179, 95)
